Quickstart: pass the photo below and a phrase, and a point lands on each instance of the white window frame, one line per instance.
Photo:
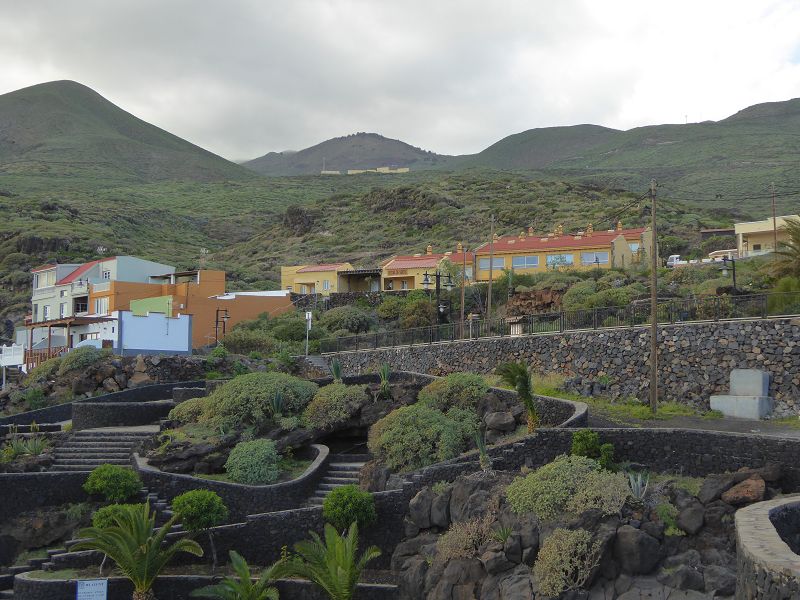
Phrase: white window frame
(101, 305)
(62, 310)
(46, 312)
(568, 260)
(404, 284)
(529, 261)
(634, 246)
(498, 261)
(326, 284)
(107, 275)
(601, 261)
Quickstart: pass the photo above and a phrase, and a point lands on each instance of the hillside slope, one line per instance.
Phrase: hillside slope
(356, 151)
(63, 128)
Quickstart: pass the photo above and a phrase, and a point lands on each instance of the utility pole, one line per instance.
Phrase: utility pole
(463, 283)
(491, 274)
(653, 303)
(774, 225)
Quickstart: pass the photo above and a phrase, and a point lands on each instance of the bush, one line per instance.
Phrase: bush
(350, 318)
(113, 482)
(587, 443)
(601, 490)
(43, 371)
(189, 411)
(419, 312)
(668, 514)
(464, 390)
(219, 351)
(347, 505)
(107, 515)
(81, 358)
(333, 404)
(35, 399)
(549, 488)
(391, 308)
(464, 538)
(247, 400)
(414, 436)
(565, 562)
(200, 509)
(248, 341)
(253, 463)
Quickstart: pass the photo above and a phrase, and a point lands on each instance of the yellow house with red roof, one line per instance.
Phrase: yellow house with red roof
(407, 272)
(322, 278)
(585, 249)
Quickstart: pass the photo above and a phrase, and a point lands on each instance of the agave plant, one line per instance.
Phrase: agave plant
(241, 587)
(336, 370)
(331, 564)
(484, 459)
(518, 376)
(638, 483)
(276, 404)
(136, 546)
(384, 372)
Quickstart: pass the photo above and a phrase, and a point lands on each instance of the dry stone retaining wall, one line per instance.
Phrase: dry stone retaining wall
(695, 360)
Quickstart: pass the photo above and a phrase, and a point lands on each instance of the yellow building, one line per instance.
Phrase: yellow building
(407, 272)
(588, 249)
(758, 237)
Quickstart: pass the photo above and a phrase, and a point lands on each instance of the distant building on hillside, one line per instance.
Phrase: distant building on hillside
(754, 238)
(389, 170)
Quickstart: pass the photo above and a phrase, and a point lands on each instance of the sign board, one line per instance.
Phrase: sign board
(308, 319)
(92, 589)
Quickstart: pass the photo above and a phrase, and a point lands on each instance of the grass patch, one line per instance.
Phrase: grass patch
(60, 574)
(713, 414)
(793, 422)
(634, 410)
(291, 468)
(23, 558)
(690, 484)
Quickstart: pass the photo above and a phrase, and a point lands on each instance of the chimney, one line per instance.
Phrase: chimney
(589, 230)
(530, 230)
(559, 230)
(460, 248)
(619, 225)
(429, 249)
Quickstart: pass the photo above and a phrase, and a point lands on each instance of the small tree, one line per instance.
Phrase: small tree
(348, 504)
(518, 376)
(788, 252)
(114, 482)
(200, 510)
(241, 587)
(137, 548)
(333, 565)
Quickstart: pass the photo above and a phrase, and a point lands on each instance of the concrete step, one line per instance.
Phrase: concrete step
(6, 582)
(339, 480)
(19, 569)
(92, 454)
(330, 486)
(75, 468)
(345, 466)
(7, 594)
(92, 461)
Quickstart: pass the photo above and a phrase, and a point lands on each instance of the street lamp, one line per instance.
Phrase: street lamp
(725, 261)
(222, 317)
(447, 283)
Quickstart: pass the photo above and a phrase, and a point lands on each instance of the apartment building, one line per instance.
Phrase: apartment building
(754, 238)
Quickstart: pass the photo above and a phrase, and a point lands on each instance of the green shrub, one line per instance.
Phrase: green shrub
(248, 341)
(255, 355)
(549, 488)
(565, 561)
(601, 490)
(247, 400)
(189, 411)
(414, 436)
(464, 538)
(219, 351)
(350, 318)
(113, 482)
(81, 358)
(253, 463)
(200, 509)
(333, 404)
(391, 308)
(35, 399)
(606, 458)
(587, 443)
(106, 516)
(419, 312)
(43, 371)
(668, 514)
(348, 504)
(579, 295)
(464, 390)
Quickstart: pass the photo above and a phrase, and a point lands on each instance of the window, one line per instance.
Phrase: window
(326, 284)
(594, 258)
(404, 285)
(62, 310)
(468, 273)
(101, 306)
(524, 262)
(45, 312)
(756, 247)
(498, 263)
(634, 246)
(44, 279)
(389, 284)
(35, 312)
(107, 275)
(559, 260)
(63, 293)
(303, 289)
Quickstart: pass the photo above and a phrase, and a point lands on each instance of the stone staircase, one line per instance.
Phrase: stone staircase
(91, 448)
(343, 469)
(315, 366)
(61, 557)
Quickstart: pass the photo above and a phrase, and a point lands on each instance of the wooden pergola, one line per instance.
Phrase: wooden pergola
(35, 357)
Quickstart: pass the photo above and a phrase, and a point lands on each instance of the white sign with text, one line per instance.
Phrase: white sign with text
(92, 589)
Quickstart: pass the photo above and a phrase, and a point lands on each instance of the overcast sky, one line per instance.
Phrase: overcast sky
(242, 78)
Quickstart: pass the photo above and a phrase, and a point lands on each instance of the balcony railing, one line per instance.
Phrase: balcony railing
(711, 308)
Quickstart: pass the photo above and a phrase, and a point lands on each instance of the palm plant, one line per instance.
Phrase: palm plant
(241, 587)
(518, 376)
(332, 565)
(137, 548)
(788, 253)
(384, 373)
(484, 460)
(336, 371)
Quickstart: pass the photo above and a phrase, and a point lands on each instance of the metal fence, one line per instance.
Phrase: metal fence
(709, 308)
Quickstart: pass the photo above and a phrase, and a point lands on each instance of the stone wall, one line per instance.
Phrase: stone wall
(766, 567)
(695, 360)
(27, 491)
(242, 500)
(87, 415)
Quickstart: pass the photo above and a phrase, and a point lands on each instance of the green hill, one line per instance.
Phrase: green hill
(65, 129)
(356, 151)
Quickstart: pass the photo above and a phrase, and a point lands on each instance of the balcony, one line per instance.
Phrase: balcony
(101, 287)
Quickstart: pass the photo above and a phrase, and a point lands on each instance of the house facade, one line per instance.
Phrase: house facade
(755, 238)
(407, 272)
(586, 249)
(323, 278)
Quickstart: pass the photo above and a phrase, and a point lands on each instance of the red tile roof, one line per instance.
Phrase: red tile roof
(81, 270)
(43, 268)
(322, 267)
(512, 243)
(425, 261)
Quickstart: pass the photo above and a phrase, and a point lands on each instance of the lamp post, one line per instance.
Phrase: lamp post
(222, 316)
(448, 284)
(725, 261)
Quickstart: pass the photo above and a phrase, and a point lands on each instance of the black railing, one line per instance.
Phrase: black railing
(705, 308)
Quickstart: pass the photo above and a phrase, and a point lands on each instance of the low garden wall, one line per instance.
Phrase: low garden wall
(695, 359)
(87, 415)
(786, 520)
(766, 566)
(27, 491)
(178, 588)
(242, 500)
(63, 412)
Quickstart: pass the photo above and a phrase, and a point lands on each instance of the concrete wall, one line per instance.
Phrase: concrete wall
(154, 333)
(695, 360)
